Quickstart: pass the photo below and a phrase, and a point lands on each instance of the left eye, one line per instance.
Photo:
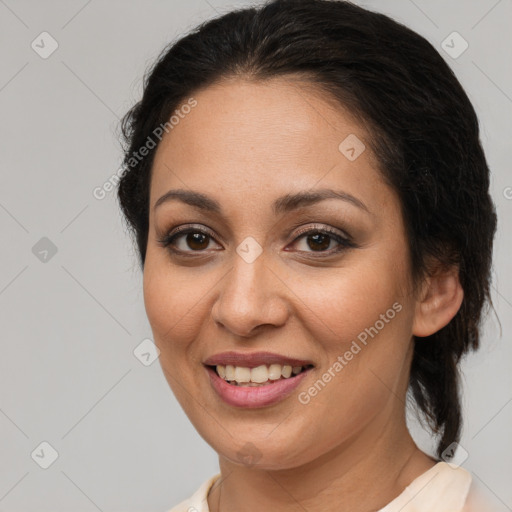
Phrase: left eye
(319, 240)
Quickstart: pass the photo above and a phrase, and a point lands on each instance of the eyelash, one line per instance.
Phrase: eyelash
(344, 242)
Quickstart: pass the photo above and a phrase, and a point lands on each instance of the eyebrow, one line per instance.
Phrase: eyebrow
(281, 205)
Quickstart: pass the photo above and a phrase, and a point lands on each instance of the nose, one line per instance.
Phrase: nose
(251, 296)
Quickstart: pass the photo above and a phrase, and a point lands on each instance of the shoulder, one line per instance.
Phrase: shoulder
(198, 501)
(442, 488)
(481, 499)
(446, 487)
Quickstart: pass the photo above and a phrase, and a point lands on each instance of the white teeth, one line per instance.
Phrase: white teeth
(286, 371)
(274, 371)
(259, 375)
(230, 372)
(242, 374)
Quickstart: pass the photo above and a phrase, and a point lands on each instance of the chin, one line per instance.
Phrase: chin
(278, 453)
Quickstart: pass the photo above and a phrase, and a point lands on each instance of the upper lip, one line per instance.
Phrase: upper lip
(253, 359)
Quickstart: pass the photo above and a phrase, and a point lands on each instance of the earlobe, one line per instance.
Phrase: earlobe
(439, 301)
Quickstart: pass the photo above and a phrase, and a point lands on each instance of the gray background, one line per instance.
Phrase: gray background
(70, 324)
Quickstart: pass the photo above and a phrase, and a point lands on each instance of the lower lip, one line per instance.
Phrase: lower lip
(254, 396)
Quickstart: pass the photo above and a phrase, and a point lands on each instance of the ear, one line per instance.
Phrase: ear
(438, 302)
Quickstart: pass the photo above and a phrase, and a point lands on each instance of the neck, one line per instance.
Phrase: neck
(364, 475)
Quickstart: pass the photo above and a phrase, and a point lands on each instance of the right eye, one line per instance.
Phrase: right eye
(187, 240)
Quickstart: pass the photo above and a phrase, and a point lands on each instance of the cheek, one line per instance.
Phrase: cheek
(175, 303)
(174, 300)
(340, 303)
(358, 313)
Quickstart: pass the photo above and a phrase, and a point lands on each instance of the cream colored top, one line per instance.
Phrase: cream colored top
(443, 488)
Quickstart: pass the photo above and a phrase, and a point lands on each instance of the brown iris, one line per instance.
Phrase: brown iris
(322, 241)
(197, 241)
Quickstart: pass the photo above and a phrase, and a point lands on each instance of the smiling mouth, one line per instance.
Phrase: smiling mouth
(262, 375)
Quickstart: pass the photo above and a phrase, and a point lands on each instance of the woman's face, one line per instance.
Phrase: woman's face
(258, 272)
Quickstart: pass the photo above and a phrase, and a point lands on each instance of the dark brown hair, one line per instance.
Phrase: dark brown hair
(425, 135)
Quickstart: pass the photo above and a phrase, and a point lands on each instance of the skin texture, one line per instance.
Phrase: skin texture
(245, 144)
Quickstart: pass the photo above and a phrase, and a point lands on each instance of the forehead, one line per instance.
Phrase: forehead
(263, 139)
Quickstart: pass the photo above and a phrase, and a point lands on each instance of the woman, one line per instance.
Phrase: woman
(309, 198)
